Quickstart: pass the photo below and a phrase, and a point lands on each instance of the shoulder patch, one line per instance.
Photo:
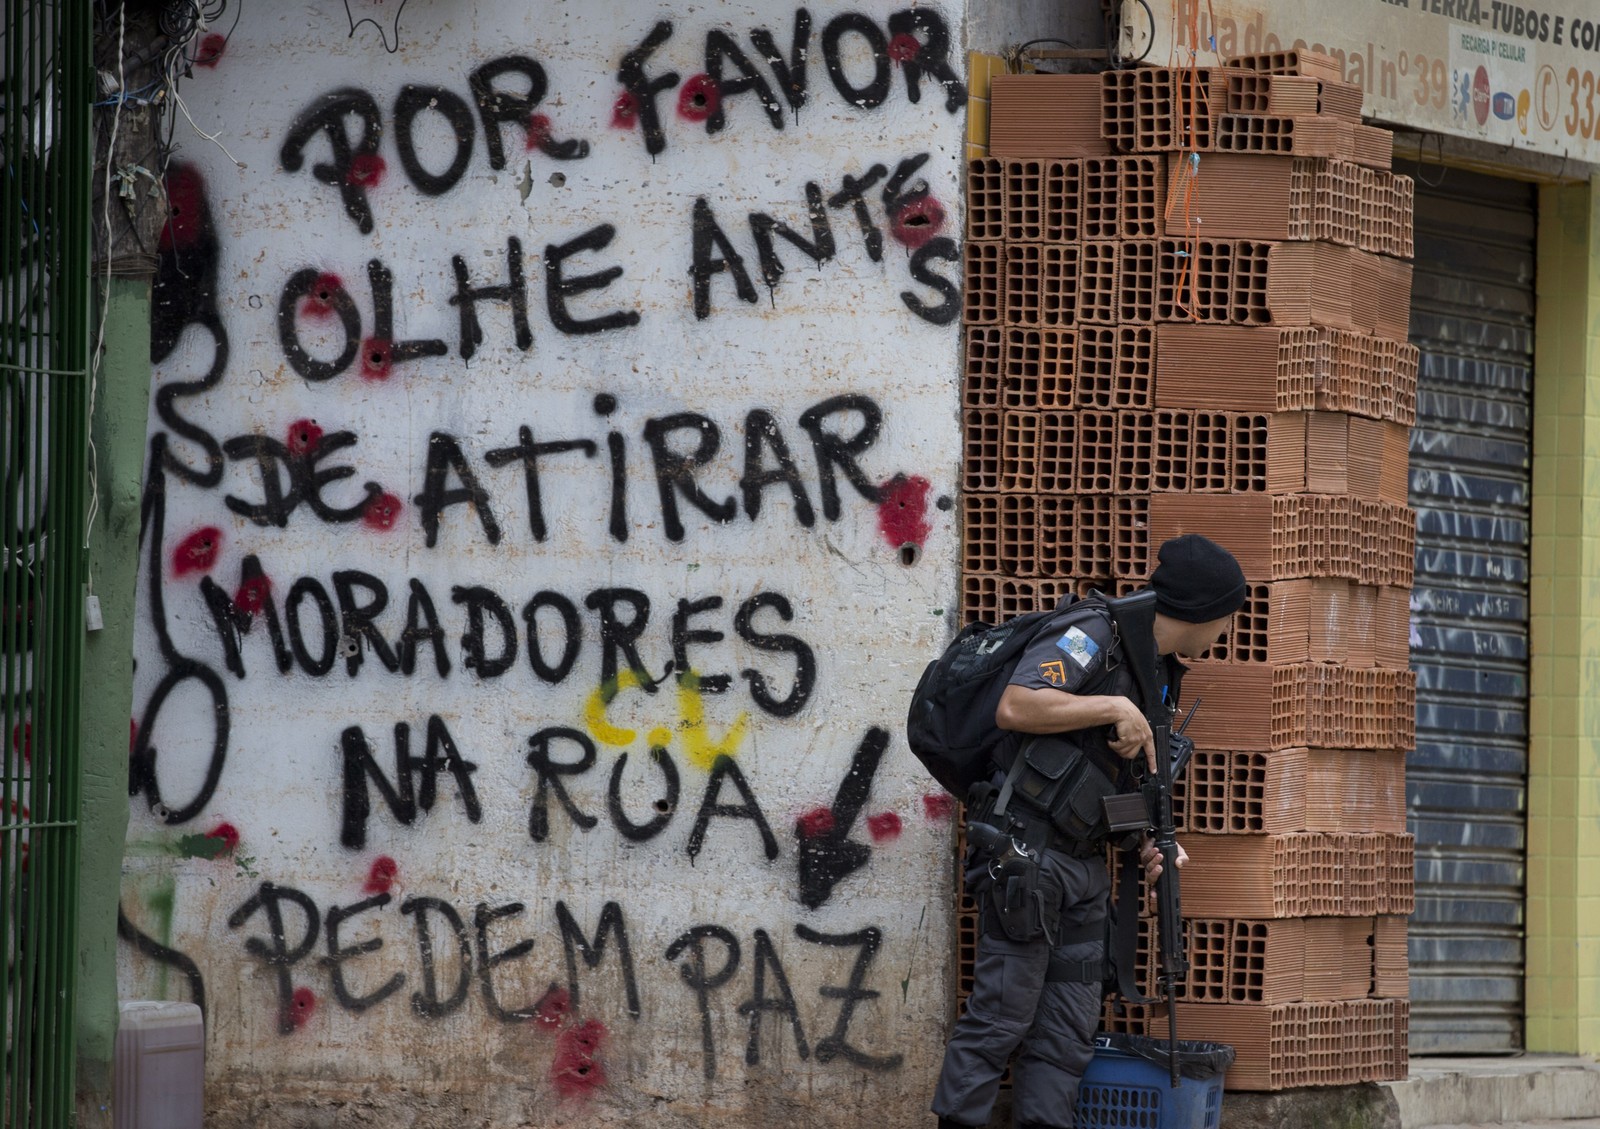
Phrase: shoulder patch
(1079, 647)
(1053, 672)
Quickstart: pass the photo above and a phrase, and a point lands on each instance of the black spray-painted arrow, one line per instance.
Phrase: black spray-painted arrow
(829, 856)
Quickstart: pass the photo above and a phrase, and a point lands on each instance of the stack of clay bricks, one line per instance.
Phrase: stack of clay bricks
(1193, 318)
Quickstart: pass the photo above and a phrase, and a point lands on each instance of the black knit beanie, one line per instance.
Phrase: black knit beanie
(1196, 580)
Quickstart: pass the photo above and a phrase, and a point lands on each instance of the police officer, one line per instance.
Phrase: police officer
(1040, 999)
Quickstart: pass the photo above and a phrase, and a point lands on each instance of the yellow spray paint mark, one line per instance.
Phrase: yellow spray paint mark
(700, 744)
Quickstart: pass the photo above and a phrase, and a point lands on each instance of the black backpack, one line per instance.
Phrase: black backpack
(950, 726)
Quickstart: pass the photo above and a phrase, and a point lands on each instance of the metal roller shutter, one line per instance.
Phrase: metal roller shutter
(1472, 316)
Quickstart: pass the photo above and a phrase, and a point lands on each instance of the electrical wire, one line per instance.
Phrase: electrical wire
(96, 357)
(382, 34)
(1113, 30)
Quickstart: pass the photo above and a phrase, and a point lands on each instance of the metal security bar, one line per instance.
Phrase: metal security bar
(46, 162)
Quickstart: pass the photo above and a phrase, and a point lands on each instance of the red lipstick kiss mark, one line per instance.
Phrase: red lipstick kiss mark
(375, 359)
(815, 823)
(304, 435)
(197, 552)
(381, 877)
(917, 221)
(698, 98)
(904, 47)
(211, 48)
(382, 512)
(186, 196)
(228, 833)
(625, 111)
(938, 806)
(319, 302)
(301, 1005)
(553, 1008)
(252, 595)
(538, 131)
(884, 827)
(903, 510)
(366, 170)
(577, 1069)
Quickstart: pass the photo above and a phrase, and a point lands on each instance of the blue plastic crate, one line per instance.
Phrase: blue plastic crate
(1124, 1089)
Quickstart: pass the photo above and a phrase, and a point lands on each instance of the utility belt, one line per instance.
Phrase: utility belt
(1054, 797)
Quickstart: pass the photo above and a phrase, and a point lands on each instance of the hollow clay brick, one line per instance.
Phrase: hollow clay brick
(1286, 136)
(1045, 115)
(1365, 457)
(1194, 280)
(1367, 291)
(1019, 530)
(1247, 638)
(1135, 452)
(1058, 536)
(984, 293)
(985, 363)
(1019, 452)
(1096, 452)
(1094, 537)
(1058, 362)
(1130, 550)
(1097, 283)
(1063, 188)
(1259, 360)
(1058, 442)
(984, 434)
(1240, 522)
(1136, 281)
(1143, 196)
(1393, 628)
(1097, 372)
(1336, 206)
(1136, 364)
(1270, 1041)
(1390, 960)
(980, 598)
(1154, 117)
(1237, 713)
(1211, 455)
(1058, 284)
(1200, 797)
(1024, 272)
(1024, 365)
(1017, 596)
(1024, 199)
(1174, 440)
(1101, 208)
(1402, 207)
(1251, 293)
(1363, 621)
(1241, 196)
(1118, 103)
(980, 533)
(985, 199)
(1393, 315)
(1312, 64)
(1372, 146)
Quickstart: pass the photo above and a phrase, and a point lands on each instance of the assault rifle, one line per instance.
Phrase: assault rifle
(1134, 617)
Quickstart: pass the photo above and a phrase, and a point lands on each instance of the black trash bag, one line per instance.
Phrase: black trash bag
(1199, 1061)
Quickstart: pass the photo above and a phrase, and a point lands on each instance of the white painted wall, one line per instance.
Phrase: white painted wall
(838, 588)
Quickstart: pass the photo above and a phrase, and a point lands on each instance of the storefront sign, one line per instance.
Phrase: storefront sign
(1503, 73)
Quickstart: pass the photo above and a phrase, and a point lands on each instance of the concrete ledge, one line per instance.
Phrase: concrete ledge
(1497, 1090)
(1364, 1106)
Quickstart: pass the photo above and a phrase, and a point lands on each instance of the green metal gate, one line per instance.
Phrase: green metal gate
(46, 162)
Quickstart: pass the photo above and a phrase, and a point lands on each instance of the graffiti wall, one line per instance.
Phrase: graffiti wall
(547, 514)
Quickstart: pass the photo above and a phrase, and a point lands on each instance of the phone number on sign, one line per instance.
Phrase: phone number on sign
(1582, 118)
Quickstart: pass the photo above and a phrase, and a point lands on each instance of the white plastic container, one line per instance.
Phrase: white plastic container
(159, 1066)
